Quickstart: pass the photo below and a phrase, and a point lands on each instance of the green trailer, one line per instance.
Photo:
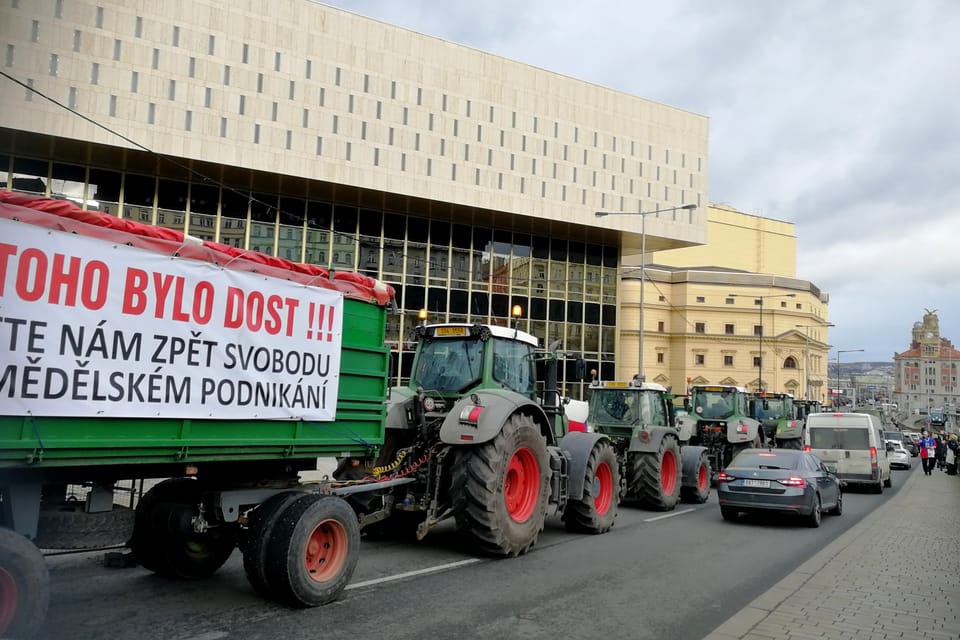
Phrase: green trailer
(130, 352)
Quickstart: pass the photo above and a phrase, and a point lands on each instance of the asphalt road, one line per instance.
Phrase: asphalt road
(676, 575)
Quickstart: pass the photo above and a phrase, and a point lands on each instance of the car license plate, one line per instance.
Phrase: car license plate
(763, 484)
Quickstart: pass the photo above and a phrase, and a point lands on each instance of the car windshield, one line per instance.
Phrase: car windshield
(893, 435)
(763, 459)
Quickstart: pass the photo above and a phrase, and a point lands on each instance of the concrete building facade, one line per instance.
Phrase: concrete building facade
(466, 180)
(713, 317)
(925, 375)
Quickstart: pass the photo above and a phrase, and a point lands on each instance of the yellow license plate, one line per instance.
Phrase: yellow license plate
(616, 385)
(451, 331)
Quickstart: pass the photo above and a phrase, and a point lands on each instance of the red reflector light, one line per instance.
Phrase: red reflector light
(837, 415)
(471, 414)
(742, 428)
(644, 436)
(475, 414)
(873, 456)
(806, 448)
(767, 455)
(464, 436)
(793, 481)
(725, 477)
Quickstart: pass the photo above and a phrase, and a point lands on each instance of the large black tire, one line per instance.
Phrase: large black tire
(597, 510)
(655, 477)
(68, 526)
(257, 538)
(701, 492)
(163, 539)
(729, 514)
(500, 489)
(312, 551)
(888, 483)
(24, 587)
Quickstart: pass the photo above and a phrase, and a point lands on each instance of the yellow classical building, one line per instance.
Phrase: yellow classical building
(730, 311)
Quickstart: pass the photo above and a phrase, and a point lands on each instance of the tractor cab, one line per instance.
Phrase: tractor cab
(617, 408)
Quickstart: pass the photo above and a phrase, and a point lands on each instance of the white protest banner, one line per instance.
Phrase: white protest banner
(93, 328)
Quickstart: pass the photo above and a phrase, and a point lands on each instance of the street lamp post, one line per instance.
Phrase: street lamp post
(839, 351)
(643, 257)
(806, 359)
(759, 300)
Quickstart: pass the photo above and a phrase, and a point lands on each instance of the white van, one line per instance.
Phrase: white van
(852, 445)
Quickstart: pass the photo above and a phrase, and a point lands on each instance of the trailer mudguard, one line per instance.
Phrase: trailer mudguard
(650, 444)
(740, 430)
(577, 446)
(494, 407)
(398, 406)
(690, 463)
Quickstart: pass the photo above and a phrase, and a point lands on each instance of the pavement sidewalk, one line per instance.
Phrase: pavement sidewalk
(867, 584)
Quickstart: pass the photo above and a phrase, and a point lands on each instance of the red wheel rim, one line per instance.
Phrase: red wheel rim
(327, 550)
(668, 473)
(702, 478)
(521, 488)
(604, 478)
(9, 597)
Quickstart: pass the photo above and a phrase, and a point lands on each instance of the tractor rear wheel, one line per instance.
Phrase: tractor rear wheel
(164, 540)
(597, 510)
(701, 492)
(24, 586)
(655, 477)
(500, 489)
(312, 551)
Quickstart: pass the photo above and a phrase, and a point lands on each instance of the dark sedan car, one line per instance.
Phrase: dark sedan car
(778, 480)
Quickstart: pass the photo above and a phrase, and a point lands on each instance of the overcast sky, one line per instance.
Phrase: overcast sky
(841, 116)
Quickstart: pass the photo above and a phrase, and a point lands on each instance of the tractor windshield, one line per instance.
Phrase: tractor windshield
(713, 404)
(627, 406)
(772, 408)
(449, 365)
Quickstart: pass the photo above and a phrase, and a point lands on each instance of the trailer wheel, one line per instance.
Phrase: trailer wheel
(24, 586)
(163, 539)
(597, 510)
(655, 477)
(257, 538)
(312, 551)
(500, 489)
(701, 492)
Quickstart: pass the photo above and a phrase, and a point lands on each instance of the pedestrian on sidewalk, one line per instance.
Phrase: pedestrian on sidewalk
(953, 455)
(941, 450)
(928, 452)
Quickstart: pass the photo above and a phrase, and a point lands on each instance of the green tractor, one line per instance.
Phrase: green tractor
(717, 419)
(475, 437)
(658, 465)
(778, 418)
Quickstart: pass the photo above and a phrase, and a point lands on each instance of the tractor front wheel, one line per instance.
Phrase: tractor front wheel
(500, 489)
(597, 510)
(655, 477)
(699, 493)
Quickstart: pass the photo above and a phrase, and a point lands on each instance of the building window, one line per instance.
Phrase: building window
(729, 301)
(155, 62)
(113, 105)
(76, 40)
(172, 90)
(756, 361)
(188, 121)
(73, 98)
(701, 299)
(661, 326)
(134, 81)
(95, 73)
(660, 358)
(211, 45)
(192, 67)
(8, 61)
(35, 31)
(54, 63)
(662, 298)
(58, 9)
(728, 361)
(700, 327)
(245, 53)
(116, 49)
(699, 358)
(728, 329)
(223, 127)
(151, 113)
(99, 18)
(138, 29)
(758, 329)
(790, 363)
(176, 36)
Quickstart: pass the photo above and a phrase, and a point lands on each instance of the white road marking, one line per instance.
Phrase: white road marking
(409, 574)
(669, 515)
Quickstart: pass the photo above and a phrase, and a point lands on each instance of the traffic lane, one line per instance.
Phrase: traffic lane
(677, 576)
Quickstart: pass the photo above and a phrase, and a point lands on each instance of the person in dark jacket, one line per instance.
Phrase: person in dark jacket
(941, 451)
(952, 455)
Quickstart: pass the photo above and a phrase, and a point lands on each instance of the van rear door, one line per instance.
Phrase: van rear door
(844, 449)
